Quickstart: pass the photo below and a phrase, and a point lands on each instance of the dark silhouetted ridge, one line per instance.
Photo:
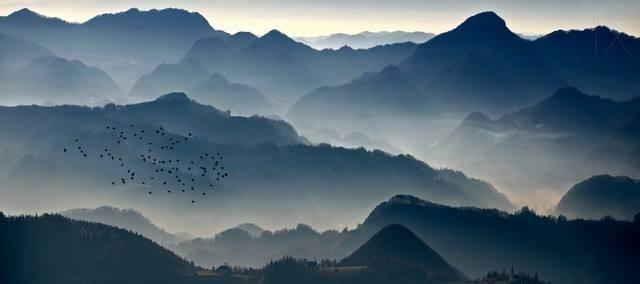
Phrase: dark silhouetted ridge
(598, 196)
(174, 97)
(485, 21)
(397, 244)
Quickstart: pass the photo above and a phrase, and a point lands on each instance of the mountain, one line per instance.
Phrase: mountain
(125, 44)
(382, 259)
(54, 79)
(597, 60)
(272, 170)
(238, 98)
(366, 100)
(569, 132)
(481, 64)
(280, 67)
(54, 249)
(569, 109)
(165, 21)
(602, 251)
(253, 229)
(16, 53)
(127, 219)
(364, 39)
(240, 247)
(601, 196)
(396, 245)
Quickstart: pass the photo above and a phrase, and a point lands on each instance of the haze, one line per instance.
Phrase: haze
(312, 18)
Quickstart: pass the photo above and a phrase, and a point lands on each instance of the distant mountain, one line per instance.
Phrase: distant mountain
(366, 100)
(30, 22)
(364, 39)
(597, 60)
(395, 245)
(601, 196)
(267, 161)
(241, 247)
(569, 109)
(16, 53)
(570, 132)
(583, 251)
(239, 98)
(126, 44)
(165, 21)
(275, 64)
(480, 65)
(253, 229)
(127, 219)
(57, 80)
(189, 76)
(54, 249)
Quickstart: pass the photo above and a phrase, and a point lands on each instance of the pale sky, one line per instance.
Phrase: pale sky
(310, 18)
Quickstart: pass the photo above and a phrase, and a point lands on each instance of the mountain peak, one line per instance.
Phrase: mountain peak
(176, 97)
(23, 13)
(485, 20)
(397, 243)
(276, 35)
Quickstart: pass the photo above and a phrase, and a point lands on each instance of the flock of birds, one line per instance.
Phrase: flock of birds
(158, 165)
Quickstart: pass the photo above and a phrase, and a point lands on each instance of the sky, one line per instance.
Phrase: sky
(312, 18)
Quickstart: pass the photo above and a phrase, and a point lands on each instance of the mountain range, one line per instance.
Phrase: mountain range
(602, 251)
(273, 171)
(58, 255)
(591, 251)
(480, 65)
(275, 64)
(364, 39)
(125, 44)
(553, 144)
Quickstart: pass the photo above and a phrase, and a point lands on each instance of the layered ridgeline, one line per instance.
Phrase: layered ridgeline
(601, 196)
(364, 39)
(16, 53)
(274, 63)
(395, 248)
(128, 219)
(125, 44)
(393, 255)
(602, 251)
(272, 170)
(30, 73)
(597, 60)
(570, 132)
(479, 65)
(54, 80)
(54, 249)
(473, 240)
